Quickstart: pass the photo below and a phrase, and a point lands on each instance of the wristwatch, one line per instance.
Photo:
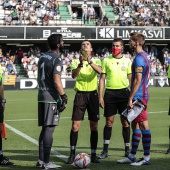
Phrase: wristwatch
(3, 101)
(90, 62)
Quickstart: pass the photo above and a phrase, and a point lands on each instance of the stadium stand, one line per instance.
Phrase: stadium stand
(60, 13)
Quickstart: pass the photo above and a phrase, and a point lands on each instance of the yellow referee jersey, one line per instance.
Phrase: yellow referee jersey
(87, 77)
(116, 71)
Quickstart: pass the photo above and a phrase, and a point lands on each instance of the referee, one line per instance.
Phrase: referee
(85, 70)
(115, 70)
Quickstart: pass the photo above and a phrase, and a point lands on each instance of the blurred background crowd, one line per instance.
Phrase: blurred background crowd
(23, 62)
(27, 60)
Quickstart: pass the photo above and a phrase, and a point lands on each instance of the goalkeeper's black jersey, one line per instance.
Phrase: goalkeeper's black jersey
(49, 63)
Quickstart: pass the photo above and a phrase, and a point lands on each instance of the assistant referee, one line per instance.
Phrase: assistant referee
(116, 70)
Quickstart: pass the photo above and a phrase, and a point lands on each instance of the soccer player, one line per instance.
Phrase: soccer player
(3, 159)
(116, 69)
(51, 98)
(139, 89)
(85, 70)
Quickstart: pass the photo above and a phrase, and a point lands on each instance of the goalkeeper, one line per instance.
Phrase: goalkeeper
(51, 98)
(3, 159)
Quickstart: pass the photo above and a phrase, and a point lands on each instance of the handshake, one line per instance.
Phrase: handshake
(63, 102)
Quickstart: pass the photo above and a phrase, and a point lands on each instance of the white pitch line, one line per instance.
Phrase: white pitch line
(57, 154)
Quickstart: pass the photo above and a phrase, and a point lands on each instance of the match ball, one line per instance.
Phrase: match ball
(82, 160)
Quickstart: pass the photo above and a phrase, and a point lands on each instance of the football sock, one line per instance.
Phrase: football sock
(146, 141)
(126, 137)
(94, 141)
(73, 141)
(135, 140)
(45, 143)
(107, 135)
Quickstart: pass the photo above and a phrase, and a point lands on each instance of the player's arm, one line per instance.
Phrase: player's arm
(135, 85)
(129, 76)
(101, 89)
(77, 69)
(58, 84)
(96, 68)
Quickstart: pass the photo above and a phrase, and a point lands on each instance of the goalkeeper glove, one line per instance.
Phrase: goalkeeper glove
(64, 100)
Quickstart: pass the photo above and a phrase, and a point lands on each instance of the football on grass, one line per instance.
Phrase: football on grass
(82, 160)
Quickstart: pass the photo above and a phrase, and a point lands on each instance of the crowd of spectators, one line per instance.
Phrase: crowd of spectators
(31, 12)
(28, 60)
(127, 12)
(141, 12)
(159, 61)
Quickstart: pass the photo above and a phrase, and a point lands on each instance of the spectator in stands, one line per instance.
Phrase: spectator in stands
(37, 5)
(38, 12)
(48, 5)
(45, 20)
(51, 15)
(35, 70)
(13, 4)
(56, 6)
(1, 56)
(75, 14)
(68, 70)
(31, 52)
(33, 19)
(99, 22)
(25, 4)
(106, 20)
(7, 55)
(8, 20)
(14, 15)
(84, 8)
(20, 7)
(7, 5)
(24, 61)
(122, 20)
(58, 16)
(26, 15)
(19, 55)
(91, 13)
(31, 8)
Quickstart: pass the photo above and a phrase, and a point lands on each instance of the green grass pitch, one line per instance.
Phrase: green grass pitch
(23, 132)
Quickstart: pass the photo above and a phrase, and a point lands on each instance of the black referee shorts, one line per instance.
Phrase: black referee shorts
(48, 114)
(83, 101)
(115, 101)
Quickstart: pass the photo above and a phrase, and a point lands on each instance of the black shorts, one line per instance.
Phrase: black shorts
(115, 101)
(48, 114)
(83, 101)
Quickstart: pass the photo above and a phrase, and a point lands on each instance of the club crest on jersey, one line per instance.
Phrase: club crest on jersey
(58, 68)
